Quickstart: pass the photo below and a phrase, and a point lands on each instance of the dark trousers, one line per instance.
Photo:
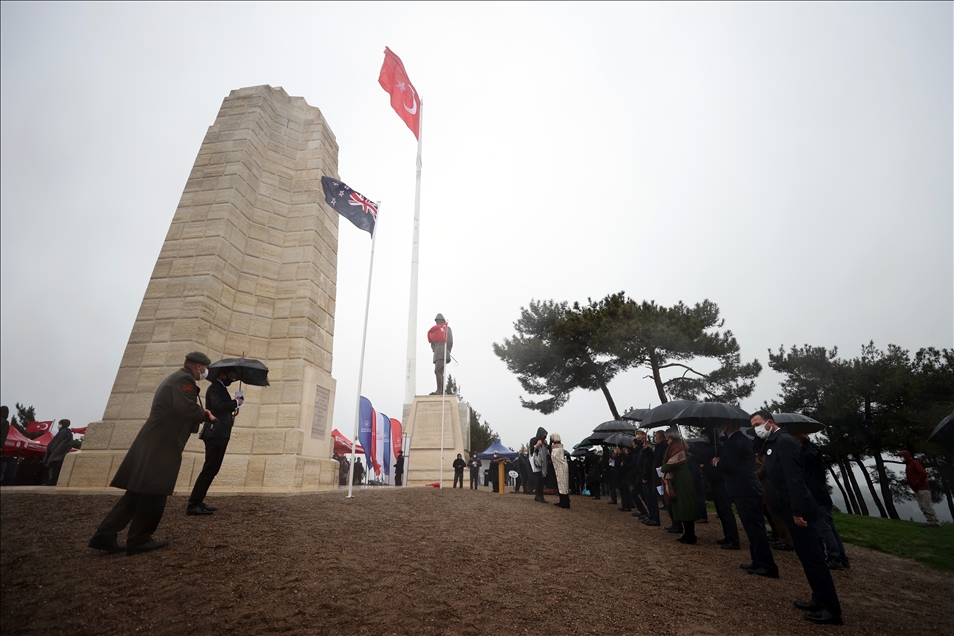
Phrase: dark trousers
(753, 522)
(458, 479)
(474, 478)
(808, 547)
(730, 529)
(636, 493)
(625, 497)
(139, 511)
(652, 502)
(53, 472)
(214, 453)
(398, 477)
(540, 484)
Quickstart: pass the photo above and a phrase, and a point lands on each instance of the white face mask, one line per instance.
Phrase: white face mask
(204, 374)
(762, 431)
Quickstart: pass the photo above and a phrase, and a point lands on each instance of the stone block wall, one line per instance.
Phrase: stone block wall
(248, 267)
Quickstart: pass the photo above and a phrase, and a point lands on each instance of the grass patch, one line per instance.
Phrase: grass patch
(934, 547)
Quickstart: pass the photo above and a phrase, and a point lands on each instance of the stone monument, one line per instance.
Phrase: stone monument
(422, 421)
(249, 267)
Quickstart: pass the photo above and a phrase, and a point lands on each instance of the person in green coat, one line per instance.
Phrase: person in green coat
(149, 471)
(678, 485)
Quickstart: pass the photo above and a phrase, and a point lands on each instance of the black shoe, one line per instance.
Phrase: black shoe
(782, 547)
(197, 509)
(106, 544)
(208, 507)
(845, 562)
(808, 606)
(148, 546)
(747, 566)
(625, 509)
(651, 523)
(687, 541)
(611, 503)
(540, 499)
(763, 572)
(723, 541)
(824, 617)
(674, 530)
(730, 546)
(835, 564)
(639, 515)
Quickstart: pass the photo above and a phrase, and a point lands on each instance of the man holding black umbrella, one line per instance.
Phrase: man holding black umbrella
(216, 436)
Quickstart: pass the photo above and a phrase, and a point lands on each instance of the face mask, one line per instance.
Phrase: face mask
(204, 374)
(762, 431)
(226, 381)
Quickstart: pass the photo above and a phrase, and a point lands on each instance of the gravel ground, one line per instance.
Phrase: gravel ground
(422, 561)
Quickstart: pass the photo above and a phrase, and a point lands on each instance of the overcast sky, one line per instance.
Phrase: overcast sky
(790, 162)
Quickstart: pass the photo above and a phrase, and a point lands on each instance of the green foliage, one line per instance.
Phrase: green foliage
(23, 416)
(561, 347)
(933, 547)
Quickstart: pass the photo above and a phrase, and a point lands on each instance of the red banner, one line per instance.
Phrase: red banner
(404, 99)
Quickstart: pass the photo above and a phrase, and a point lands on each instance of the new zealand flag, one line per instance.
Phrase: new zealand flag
(349, 204)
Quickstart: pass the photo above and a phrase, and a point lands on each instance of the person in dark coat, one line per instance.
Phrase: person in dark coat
(459, 465)
(474, 464)
(646, 477)
(742, 485)
(216, 436)
(149, 471)
(723, 505)
(793, 504)
(678, 485)
(540, 462)
(608, 478)
(399, 470)
(523, 467)
(816, 478)
(56, 451)
(358, 471)
(593, 467)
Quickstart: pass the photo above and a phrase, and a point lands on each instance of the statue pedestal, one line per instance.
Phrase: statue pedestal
(422, 423)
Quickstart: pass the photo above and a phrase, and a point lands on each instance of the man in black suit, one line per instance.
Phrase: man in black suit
(792, 502)
(737, 463)
(216, 437)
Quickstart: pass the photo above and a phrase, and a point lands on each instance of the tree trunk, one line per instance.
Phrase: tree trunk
(874, 493)
(609, 398)
(844, 494)
(657, 379)
(849, 475)
(885, 484)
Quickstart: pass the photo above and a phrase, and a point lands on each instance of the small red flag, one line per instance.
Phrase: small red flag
(404, 98)
(39, 427)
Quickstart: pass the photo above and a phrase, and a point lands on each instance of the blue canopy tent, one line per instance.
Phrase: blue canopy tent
(502, 451)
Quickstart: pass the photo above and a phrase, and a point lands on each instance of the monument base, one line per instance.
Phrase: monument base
(429, 445)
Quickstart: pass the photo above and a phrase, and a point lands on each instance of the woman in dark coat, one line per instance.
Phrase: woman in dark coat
(678, 487)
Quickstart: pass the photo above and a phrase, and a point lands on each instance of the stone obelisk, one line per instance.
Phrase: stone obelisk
(249, 267)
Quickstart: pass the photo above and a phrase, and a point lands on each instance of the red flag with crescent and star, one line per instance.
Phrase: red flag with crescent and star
(39, 427)
(404, 98)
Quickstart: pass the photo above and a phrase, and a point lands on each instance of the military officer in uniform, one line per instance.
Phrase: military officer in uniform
(148, 472)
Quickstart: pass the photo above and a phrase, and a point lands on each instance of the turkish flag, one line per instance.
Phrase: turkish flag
(39, 427)
(404, 99)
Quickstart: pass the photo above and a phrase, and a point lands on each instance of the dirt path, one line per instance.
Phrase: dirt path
(422, 561)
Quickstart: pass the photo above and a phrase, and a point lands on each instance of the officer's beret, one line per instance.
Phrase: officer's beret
(199, 357)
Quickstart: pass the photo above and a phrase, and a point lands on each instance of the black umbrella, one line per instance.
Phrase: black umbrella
(797, 423)
(580, 452)
(664, 414)
(944, 432)
(709, 414)
(615, 426)
(620, 439)
(636, 415)
(595, 439)
(249, 371)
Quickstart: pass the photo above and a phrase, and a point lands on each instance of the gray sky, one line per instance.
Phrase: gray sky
(790, 162)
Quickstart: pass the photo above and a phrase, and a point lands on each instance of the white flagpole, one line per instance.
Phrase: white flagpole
(410, 374)
(443, 394)
(364, 341)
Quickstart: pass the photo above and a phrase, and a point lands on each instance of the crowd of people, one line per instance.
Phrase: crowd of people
(776, 481)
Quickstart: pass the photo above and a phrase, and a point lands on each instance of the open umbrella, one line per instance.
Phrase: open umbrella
(664, 414)
(797, 423)
(580, 452)
(249, 371)
(943, 433)
(615, 426)
(595, 439)
(709, 414)
(636, 415)
(620, 439)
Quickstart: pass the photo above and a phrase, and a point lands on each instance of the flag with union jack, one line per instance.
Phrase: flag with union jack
(349, 204)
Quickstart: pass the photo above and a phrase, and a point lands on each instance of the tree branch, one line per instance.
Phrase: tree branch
(688, 369)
